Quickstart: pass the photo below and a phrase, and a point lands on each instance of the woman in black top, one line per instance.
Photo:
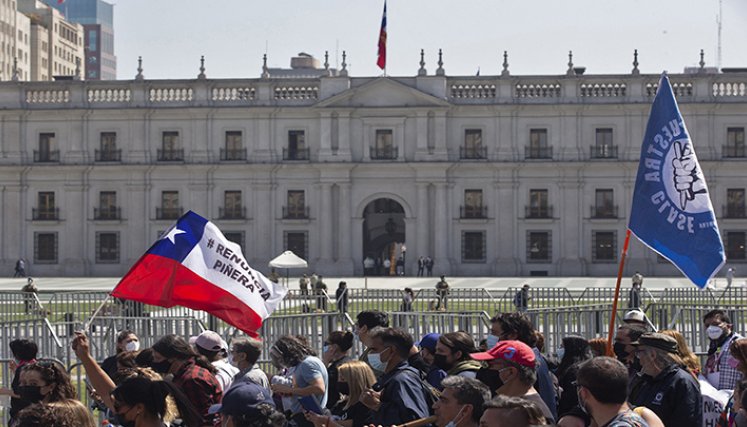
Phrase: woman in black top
(24, 352)
(336, 352)
(573, 352)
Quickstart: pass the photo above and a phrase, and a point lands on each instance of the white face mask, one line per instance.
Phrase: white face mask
(561, 353)
(714, 332)
(132, 346)
(491, 341)
(454, 422)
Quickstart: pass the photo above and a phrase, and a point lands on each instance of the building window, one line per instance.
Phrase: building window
(296, 149)
(47, 151)
(384, 148)
(107, 247)
(45, 248)
(539, 246)
(604, 148)
(604, 204)
(735, 206)
(298, 242)
(473, 148)
(232, 206)
(46, 209)
(108, 151)
(734, 245)
(734, 142)
(170, 148)
(538, 206)
(473, 206)
(238, 238)
(234, 149)
(170, 208)
(604, 246)
(296, 207)
(107, 206)
(473, 246)
(538, 147)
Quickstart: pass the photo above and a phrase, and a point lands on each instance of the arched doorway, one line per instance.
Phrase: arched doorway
(384, 238)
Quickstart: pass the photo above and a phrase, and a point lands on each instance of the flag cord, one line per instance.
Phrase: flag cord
(613, 316)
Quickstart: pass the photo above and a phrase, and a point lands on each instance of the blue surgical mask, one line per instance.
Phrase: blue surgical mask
(374, 359)
(561, 353)
(325, 348)
(492, 341)
(454, 422)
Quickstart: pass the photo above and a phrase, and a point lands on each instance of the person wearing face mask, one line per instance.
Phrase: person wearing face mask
(142, 402)
(461, 403)
(602, 390)
(574, 351)
(663, 385)
(365, 322)
(309, 376)
(625, 351)
(434, 375)
(399, 396)
(244, 355)
(517, 326)
(24, 353)
(44, 382)
(215, 350)
(335, 352)
(452, 354)
(718, 368)
(505, 411)
(192, 373)
(517, 366)
(126, 341)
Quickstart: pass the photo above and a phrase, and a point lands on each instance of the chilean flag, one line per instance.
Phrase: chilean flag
(381, 61)
(195, 266)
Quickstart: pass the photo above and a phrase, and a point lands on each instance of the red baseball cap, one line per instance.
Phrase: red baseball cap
(510, 351)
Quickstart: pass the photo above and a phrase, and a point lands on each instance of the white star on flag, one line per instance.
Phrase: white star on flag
(171, 235)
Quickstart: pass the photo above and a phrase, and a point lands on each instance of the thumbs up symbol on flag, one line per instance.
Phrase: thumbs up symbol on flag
(686, 180)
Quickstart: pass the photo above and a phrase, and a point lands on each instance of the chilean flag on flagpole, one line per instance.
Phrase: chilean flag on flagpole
(195, 266)
(381, 61)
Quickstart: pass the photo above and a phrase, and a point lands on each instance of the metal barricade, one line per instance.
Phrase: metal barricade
(418, 324)
(39, 330)
(589, 321)
(20, 305)
(539, 298)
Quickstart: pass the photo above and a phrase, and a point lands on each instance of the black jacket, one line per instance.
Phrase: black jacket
(674, 395)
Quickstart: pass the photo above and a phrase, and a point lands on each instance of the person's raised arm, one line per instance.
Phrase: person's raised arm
(98, 378)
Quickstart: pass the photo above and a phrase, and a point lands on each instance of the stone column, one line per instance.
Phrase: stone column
(345, 260)
(441, 231)
(71, 238)
(570, 233)
(343, 135)
(423, 241)
(326, 232)
(505, 213)
(421, 123)
(325, 136)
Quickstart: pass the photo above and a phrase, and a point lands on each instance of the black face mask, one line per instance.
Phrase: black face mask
(343, 388)
(620, 352)
(491, 378)
(161, 367)
(636, 365)
(30, 393)
(440, 361)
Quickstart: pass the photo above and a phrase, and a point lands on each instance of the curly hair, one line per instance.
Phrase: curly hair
(171, 413)
(153, 395)
(52, 373)
(63, 413)
(174, 346)
(291, 350)
(262, 415)
(519, 324)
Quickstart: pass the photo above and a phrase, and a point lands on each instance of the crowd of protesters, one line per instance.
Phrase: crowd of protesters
(448, 379)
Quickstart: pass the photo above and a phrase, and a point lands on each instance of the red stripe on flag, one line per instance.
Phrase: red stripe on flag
(381, 61)
(165, 282)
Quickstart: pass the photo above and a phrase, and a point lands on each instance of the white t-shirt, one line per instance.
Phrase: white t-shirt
(224, 373)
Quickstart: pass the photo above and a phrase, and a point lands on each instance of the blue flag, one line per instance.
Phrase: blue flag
(672, 211)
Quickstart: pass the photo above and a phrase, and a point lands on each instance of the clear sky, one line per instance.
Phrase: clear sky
(233, 35)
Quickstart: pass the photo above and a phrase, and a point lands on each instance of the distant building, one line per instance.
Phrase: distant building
(97, 18)
(52, 36)
(490, 175)
(14, 43)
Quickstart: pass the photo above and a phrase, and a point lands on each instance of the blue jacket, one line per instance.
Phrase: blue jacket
(402, 397)
(545, 383)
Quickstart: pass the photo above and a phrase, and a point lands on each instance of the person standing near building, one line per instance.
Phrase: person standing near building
(429, 265)
(341, 296)
(29, 292)
(387, 267)
(312, 281)
(421, 266)
(521, 298)
(729, 276)
(720, 370)
(320, 291)
(637, 279)
(407, 298)
(442, 292)
(303, 283)
(20, 268)
(369, 266)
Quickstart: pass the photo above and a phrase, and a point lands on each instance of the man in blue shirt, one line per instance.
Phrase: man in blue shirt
(399, 396)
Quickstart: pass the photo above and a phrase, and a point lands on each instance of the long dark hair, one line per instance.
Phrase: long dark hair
(174, 346)
(292, 350)
(53, 373)
(577, 350)
(152, 394)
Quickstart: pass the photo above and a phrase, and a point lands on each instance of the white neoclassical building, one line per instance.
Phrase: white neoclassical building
(488, 175)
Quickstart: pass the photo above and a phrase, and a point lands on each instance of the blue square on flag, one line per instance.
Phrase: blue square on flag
(672, 211)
